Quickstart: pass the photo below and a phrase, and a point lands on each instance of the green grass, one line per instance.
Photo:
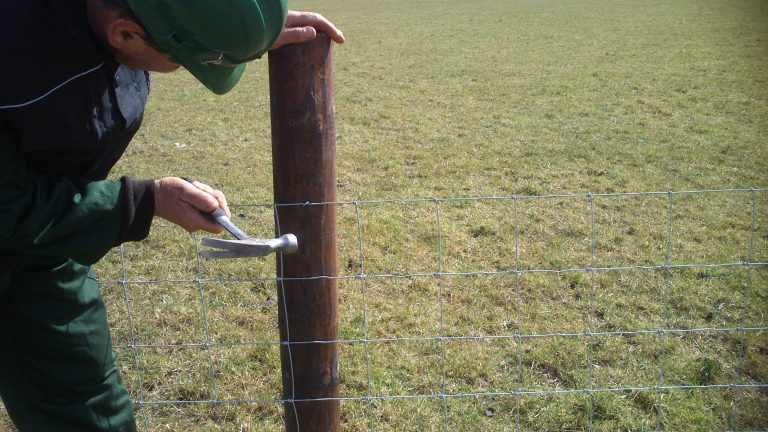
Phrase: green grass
(444, 99)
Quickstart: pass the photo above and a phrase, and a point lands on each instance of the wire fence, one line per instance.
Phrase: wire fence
(633, 311)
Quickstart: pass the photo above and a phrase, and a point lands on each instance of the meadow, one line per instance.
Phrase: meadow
(541, 127)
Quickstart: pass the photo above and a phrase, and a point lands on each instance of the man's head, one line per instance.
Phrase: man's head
(123, 10)
(126, 38)
(212, 39)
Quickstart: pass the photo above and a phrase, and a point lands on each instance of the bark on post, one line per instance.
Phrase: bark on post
(304, 170)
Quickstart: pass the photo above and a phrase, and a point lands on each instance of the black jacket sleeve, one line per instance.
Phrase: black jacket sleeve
(138, 197)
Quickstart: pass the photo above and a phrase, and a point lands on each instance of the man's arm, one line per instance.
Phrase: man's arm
(50, 215)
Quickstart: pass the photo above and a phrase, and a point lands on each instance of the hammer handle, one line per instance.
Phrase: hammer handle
(218, 216)
(222, 219)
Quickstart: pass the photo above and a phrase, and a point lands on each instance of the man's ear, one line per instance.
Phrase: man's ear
(125, 36)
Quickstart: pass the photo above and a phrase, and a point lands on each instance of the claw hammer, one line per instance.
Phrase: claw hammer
(245, 245)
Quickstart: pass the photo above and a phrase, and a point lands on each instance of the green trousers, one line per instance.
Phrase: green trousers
(57, 367)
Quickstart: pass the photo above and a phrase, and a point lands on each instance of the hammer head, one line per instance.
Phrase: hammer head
(249, 247)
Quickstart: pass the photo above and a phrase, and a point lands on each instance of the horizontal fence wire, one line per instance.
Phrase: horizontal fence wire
(512, 235)
(441, 274)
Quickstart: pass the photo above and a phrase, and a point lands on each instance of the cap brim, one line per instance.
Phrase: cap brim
(218, 79)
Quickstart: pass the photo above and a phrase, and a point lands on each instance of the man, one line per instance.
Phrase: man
(73, 86)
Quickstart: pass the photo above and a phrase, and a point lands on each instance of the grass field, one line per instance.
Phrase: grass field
(449, 99)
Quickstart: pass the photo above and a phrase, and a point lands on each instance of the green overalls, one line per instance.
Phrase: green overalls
(67, 112)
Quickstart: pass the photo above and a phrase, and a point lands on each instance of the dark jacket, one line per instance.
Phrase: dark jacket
(67, 113)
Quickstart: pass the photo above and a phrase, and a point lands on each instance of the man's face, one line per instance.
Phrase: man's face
(152, 59)
(156, 59)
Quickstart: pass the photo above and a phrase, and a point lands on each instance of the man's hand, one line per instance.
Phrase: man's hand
(304, 26)
(181, 202)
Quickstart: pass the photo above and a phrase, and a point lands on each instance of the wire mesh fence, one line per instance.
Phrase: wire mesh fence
(631, 311)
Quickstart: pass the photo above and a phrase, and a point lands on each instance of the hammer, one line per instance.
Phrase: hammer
(245, 245)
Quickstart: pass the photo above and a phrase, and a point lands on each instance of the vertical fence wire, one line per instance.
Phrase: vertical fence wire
(364, 306)
(123, 282)
(441, 336)
(206, 327)
(666, 286)
(744, 312)
(591, 346)
(518, 306)
(281, 286)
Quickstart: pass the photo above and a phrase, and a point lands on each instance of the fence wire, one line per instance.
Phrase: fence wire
(433, 215)
(472, 313)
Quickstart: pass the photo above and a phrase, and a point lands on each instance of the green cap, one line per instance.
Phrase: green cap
(213, 39)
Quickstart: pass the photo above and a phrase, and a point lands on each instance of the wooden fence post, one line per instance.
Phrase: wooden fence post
(304, 171)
